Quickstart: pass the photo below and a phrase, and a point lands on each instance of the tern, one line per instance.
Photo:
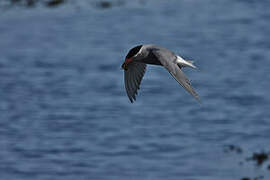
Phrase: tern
(138, 57)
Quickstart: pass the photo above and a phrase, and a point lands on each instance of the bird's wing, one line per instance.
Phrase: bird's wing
(133, 78)
(167, 59)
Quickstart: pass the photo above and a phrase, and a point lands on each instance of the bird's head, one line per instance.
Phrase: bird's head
(131, 56)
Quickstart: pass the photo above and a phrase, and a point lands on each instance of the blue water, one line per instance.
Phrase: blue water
(64, 113)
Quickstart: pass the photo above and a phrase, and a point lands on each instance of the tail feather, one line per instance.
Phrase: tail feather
(185, 63)
(190, 61)
(192, 64)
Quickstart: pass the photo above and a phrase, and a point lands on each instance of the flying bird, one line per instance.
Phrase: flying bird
(135, 65)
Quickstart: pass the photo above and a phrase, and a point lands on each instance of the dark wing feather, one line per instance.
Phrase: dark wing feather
(133, 78)
(167, 59)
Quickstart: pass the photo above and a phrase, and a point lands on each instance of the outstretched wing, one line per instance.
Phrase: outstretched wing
(133, 78)
(168, 60)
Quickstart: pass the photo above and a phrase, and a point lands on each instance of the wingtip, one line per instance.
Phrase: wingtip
(198, 99)
(196, 96)
(131, 100)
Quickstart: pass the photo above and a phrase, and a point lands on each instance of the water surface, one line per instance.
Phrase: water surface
(64, 113)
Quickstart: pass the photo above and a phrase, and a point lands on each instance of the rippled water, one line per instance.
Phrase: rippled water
(64, 113)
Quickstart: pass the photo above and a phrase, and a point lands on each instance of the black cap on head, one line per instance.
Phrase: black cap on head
(133, 51)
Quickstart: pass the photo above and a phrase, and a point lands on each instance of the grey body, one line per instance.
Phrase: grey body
(149, 55)
(155, 55)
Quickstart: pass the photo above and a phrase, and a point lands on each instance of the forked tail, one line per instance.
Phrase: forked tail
(185, 63)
